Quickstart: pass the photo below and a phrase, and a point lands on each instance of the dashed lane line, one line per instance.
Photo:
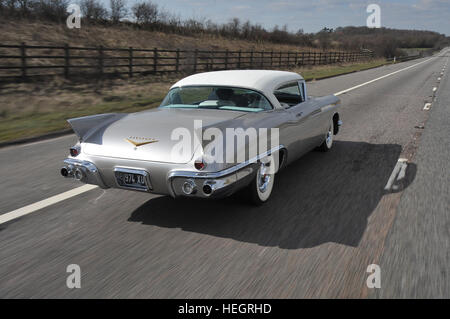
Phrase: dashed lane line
(45, 203)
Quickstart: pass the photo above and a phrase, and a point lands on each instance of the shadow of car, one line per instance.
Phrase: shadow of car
(318, 199)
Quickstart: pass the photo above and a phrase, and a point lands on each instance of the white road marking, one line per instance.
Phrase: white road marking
(380, 78)
(45, 203)
(427, 106)
(397, 174)
(85, 188)
(434, 89)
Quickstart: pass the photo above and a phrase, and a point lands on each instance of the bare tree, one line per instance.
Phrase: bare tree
(53, 10)
(145, 12)
(93, 10)
(118, 10)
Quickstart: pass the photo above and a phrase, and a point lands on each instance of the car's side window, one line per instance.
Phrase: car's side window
(289, 94)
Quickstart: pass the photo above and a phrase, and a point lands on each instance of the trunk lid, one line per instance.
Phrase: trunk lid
(151, 132)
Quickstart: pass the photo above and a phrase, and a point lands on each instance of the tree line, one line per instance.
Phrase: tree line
(149, 16)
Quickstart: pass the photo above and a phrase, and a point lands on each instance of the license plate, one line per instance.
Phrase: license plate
(133, 179)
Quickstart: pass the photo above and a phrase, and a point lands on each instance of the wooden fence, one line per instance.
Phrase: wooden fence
(25, 61)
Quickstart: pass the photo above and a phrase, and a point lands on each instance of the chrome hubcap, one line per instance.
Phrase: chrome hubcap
(329, 138)
(263, 178)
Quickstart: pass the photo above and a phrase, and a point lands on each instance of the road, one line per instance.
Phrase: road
(330, 216)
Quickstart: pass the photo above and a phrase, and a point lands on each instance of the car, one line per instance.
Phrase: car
(215, 133)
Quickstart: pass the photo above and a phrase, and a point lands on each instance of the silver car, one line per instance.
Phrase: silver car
(214, 133)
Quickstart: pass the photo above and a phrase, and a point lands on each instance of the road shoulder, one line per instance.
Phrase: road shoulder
(415, 262)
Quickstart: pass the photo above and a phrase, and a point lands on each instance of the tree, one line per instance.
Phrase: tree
(145, 12)
(53, 10)
(93, 10)
(118, 10)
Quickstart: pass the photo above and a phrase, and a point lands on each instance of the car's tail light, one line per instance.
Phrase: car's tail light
(199, 165)
(75, 151)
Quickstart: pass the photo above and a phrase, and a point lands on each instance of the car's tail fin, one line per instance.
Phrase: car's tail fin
(85, 126)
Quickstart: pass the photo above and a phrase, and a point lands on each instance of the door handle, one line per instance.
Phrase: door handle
(299, 114)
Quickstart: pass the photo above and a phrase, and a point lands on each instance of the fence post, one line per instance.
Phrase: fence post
(251, 59)
(211, 60)
(130, 62)
(271, 58)
(288, 59)
(177, 65)
(296, 58)
(24, 60)
(100, 60)
(239, 59)
(279, 60)
(195, 60)
(262, 59)
(66, 60)
(226, 59)
(155, 60)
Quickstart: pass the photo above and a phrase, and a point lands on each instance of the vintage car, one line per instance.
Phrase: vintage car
(141, 151)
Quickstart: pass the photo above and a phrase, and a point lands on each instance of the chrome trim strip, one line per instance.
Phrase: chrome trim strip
(225, 172)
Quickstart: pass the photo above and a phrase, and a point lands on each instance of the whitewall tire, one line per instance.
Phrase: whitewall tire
(261, 187)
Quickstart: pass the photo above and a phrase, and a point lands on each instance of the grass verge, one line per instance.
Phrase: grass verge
(326, 71)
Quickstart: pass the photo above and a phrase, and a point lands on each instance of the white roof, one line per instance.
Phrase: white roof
(261, 80)
(265, 81)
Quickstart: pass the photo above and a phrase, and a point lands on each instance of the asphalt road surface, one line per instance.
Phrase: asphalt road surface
(380, 196)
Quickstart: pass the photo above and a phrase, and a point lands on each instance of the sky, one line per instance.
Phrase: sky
(314, 15)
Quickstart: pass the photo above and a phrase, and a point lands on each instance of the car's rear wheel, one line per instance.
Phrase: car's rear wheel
(328, 140)
(260, 188)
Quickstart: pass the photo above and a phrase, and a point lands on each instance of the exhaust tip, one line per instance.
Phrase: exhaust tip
(79, 174)
(65, 172)
(207, 189)
(189, 187)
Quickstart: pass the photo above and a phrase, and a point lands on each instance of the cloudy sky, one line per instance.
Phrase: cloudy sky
(313, 15)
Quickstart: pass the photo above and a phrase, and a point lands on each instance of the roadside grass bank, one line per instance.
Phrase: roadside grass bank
(29, 110)
(326, 71)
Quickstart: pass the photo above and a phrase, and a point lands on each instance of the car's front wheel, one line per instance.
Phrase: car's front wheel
(261, 186)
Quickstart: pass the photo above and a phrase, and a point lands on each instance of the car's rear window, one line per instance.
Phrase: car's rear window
(216, 97)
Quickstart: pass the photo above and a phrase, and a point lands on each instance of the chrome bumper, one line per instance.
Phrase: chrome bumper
(209, 185)
(83, 171)
(204, 185)
(176, 182)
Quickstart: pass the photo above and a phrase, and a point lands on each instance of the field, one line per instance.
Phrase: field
(47, 33)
